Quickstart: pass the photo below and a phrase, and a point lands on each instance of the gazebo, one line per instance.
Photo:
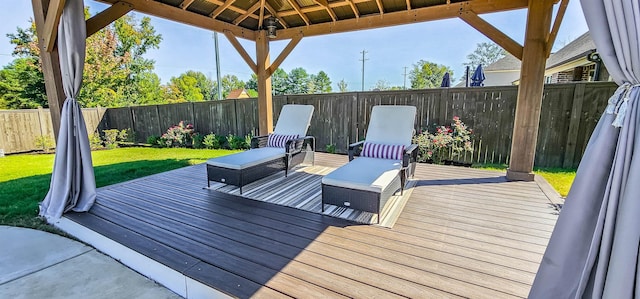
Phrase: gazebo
(262, 21)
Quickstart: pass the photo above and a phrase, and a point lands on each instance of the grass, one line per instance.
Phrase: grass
(559, 178)
(25, 179)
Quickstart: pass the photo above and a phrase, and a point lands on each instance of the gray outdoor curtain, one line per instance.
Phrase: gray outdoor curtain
(73, 185)
(593, 251)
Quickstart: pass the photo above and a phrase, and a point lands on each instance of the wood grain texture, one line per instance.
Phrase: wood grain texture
(473, 244)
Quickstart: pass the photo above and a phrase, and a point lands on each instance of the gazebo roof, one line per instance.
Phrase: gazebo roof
(243, 18)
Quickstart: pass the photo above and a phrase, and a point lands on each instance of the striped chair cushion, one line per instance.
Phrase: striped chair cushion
(277, 140)
(382, 151)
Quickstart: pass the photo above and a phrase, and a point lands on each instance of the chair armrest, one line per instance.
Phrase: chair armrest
(259, 141)
(410, 155)
(355, 149)
(294, 146)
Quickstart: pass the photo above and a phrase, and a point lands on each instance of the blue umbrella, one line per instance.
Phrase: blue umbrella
(478, 77)
(446, 80)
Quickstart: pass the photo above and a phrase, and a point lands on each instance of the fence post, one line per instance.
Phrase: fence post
(43, 130)
(574, 125)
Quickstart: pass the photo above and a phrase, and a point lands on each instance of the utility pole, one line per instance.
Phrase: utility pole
(405, 78)
(363, 60)
(215, 41)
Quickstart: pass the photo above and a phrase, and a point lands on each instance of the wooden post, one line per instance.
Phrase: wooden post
(527, 118)
(50, 66)
(265, 103)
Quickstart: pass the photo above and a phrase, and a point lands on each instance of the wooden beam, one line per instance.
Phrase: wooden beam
(283, 55)
(236, 44)
(325, 4)
(551, 38)
(107, 16)
(173, 13)
(424, 14)
(354, 9)
(50, 62)
(408, 4)
(492, 33)
(380, 6)
(265, 103)
(276, 14)
(185, 4)
(250, 11)
(261, 17)
(529, 103)
(221, 8)
(297, 8)
(52, 20)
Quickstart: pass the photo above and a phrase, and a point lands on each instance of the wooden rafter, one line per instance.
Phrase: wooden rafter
(551, 38)
(261, 18)
(232, 8)
(185, 4)
(325, 4)
(221, 8)
(250, 11)
(297, 8)
(243, 53)
(276, 14)
(176, 14)
(107, 16)
(492, 33)
(354, 8)
(431, 13)
(380, 7)
(283, 55)
(51, 23)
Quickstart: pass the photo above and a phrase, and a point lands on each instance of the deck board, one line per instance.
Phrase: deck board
(463, 233)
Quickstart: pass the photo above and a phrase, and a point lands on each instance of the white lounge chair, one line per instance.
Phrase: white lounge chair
(282, 150)
(387, 158)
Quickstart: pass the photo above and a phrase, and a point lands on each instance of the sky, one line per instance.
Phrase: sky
(388, 50)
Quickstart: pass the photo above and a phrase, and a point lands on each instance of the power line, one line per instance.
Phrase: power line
(363, 60)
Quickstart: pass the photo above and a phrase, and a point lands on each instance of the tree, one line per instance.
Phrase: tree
(279, 80)
(184, 88)
(322, 83)
(229, 83)
(298, 81)
(485, 54)
(381, 85)
(427, 74)
(342, 86)
(22, 85)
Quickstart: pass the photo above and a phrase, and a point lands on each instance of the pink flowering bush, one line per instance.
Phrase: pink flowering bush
(447, 142)
(180, 135)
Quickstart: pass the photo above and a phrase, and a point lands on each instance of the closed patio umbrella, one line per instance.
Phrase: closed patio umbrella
(478, 76)
(593, 251)
(73, 185)
(446, 80)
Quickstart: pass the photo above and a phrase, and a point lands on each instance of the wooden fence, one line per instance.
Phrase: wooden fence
(568, 116)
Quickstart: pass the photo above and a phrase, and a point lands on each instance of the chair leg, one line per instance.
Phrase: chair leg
(240, 189)
(208, 183)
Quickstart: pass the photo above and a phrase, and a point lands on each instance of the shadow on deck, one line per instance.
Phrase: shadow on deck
(463, 233)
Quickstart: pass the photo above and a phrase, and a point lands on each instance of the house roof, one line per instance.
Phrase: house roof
(506, 63)
(578, 48)
(238, 94)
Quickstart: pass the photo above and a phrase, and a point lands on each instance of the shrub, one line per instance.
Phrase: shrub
(95, 142)
(179, 135)
(153, 140)
(198, 141)
(211, 141)
(111, 138)
(446, 143)
(45, 142)
(330, 148)
(237, 142)
(222, 141)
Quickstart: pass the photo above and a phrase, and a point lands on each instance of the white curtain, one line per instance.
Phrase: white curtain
(73, 185)
(593, 251)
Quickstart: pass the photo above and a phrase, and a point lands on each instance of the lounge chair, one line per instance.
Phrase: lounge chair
(387, 159)
(282, 150)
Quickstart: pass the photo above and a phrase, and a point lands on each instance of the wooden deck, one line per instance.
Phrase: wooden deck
(463, 233)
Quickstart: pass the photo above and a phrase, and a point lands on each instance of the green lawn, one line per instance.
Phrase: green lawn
(24, 179)
(559, 178)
